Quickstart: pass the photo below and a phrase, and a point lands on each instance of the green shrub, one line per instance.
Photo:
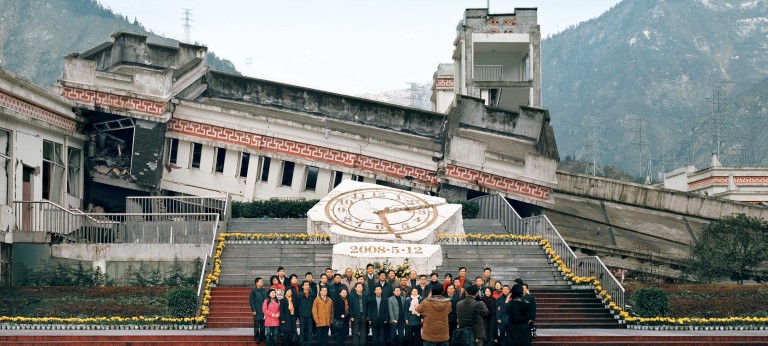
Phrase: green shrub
(650, 302)
(276, 209)
(182, 302)
(469, 209)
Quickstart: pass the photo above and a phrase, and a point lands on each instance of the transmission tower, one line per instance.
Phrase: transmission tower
(719, 119)
(591, 150)
(641, 153)
(415, 94)
(187, 13)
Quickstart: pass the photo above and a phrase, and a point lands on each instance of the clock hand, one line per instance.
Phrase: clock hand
(385, 223)
(417, 207)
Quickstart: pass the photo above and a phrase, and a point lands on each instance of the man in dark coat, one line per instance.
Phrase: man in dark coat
(256, 300)
(518, 313)
(378, 315)
(306, 323)
(502, 319)
(528, 297)
(370, 278)
(358, 312)
(470, 312)
(386, 288)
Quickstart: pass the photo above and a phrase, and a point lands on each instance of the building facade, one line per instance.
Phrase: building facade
(161, 122)
(741, 184)
(41, 156)
(496, 57)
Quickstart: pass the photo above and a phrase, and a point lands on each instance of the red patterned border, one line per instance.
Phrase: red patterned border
(445, 83)
(303, 150)
(18, 105)
(114, 101)
(739, 180)
(500, 183)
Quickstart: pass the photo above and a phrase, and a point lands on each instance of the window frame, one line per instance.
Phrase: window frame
(192, 156)
(307, 176)
(172, 154)
(283, 166)
(240, 173)
(219, 153)
(6, 153)
(74, 170)
(264, 174)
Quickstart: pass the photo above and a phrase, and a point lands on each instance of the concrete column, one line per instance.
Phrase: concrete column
(251, 177)
(535, 35)
(65, 179)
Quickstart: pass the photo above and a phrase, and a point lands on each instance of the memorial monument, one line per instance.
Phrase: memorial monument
(372, 223)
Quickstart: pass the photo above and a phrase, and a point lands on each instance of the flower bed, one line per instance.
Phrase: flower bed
(488, 239)
(275, 238)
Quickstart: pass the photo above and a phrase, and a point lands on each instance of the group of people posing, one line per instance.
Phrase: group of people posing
(408, 310)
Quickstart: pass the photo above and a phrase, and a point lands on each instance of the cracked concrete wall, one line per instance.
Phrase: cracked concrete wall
(149, 141)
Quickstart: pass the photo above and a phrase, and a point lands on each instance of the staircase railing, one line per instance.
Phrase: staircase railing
(497, 207)
(178, 204)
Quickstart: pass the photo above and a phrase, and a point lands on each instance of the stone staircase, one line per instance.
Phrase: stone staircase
(558, 306)
(241, 263)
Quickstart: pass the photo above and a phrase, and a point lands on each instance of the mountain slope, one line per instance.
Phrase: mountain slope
(659, 59)
(35, 35)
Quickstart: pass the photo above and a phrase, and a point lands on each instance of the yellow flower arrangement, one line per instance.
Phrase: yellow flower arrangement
(487, 238)
(276, 236)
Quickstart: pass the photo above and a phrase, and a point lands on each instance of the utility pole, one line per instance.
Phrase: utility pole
(187, 26)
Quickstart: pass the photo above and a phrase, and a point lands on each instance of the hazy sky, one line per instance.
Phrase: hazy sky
(351, 47)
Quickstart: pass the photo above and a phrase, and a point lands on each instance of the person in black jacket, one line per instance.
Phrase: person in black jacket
(386, 288)
(341, 313)
(306, 323)
(378, 310)
(256, 300)
(370, 278)
(501, 319)
(288, 314)
(470, 313)
(455, 298)
(490, 320)
(528, 297)
(518, 312)
(358, 313)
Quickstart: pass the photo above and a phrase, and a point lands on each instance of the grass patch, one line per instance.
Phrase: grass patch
(74, 301)
(707, 300)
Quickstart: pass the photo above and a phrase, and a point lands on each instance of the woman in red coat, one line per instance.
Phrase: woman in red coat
(271, 310)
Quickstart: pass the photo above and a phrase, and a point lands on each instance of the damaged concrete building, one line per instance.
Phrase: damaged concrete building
(161, 122)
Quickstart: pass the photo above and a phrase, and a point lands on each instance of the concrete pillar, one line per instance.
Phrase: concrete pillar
(99, 257)
(251, 177)
(535, 35)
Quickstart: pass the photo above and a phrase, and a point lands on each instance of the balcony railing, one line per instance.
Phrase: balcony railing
(497, 207)
(134, 228)
(179, 204)
(488, 73)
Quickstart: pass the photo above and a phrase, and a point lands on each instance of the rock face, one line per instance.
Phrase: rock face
(361, 212)
(661, 59)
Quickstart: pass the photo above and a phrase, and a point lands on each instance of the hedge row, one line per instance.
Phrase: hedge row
(279, 209)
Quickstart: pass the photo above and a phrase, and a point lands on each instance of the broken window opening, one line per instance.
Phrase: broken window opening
(73, 171)
(287, 178)
(337, 178)
(111, 147)
(264, 171)
(310, 178)
(197, 152)
(53, 171)
(173, 150)
(220, 155)
(5, 159)
(245, 159)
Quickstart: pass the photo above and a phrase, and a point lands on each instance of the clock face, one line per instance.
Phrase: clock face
(380, 211)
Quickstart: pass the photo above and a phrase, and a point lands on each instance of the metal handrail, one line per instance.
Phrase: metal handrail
(208, 256)
(491, 206)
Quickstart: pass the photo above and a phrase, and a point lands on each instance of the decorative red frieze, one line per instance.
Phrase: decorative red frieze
(20, 106)
(99, 98)
(738, 180)
(496, 182)
(303, 150)
(444, 83)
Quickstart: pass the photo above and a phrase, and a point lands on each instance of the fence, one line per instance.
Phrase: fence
(179, 204)
(136, 228)
(497, 207)
(488, 73)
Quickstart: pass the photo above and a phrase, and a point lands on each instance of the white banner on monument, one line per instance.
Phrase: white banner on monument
(424, 258)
